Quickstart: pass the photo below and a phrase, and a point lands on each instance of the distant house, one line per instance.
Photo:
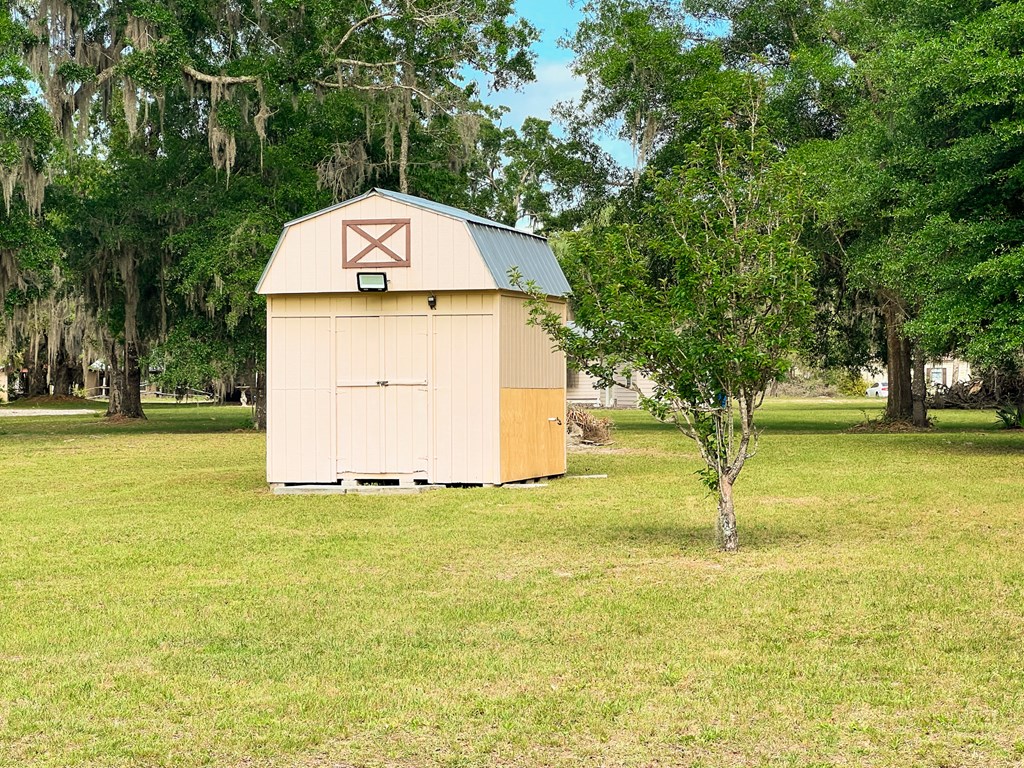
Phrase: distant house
(945, 371)
(583, 389)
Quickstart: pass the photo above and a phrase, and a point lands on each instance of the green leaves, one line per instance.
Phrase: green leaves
(707, 292)
(922, 190)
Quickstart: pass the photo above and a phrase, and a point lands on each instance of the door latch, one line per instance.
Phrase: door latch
(382, 382)
(555, 418)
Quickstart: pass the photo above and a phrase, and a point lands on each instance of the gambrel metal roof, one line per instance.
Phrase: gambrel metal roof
(502, 247)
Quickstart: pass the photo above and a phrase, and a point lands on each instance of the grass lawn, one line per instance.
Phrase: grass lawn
(158, 607)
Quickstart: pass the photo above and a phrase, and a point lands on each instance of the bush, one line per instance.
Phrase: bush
(850, 384)
(814, 382)
(1010, 417)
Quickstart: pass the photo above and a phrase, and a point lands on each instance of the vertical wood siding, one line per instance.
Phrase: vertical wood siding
(406, 397)
(532, 442)
(532, 393)
(359, 365)
(299, 408)
(438, 416)
(465, 395)
(528, 359)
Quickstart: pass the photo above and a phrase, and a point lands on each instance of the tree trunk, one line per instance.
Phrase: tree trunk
(1018, 401)
(63, 374)
(728, 536)
(900, 404)
(404, 126)
(131, 394)
(259, 401)
(37, 372)
(37, 380)
(919, 390)
(129, 403)
(115, 381)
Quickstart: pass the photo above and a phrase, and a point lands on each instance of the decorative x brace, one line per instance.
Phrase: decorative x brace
(360, 248)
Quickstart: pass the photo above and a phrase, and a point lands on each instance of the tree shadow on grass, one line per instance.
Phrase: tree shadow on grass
(695, 540)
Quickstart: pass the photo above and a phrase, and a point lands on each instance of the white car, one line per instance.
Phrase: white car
(878, 389)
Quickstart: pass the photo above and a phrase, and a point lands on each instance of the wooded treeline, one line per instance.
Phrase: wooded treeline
(151, 150)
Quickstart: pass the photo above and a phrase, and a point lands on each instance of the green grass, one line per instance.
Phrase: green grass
(158, 607)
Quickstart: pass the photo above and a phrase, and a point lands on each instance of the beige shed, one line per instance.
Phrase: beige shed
(398, 350)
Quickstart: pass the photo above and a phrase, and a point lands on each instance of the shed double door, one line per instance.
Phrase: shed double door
(382, 366)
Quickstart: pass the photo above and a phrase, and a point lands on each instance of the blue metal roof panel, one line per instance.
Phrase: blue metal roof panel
(505, 248)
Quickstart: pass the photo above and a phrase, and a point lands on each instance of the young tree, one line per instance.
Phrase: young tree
(708, 295)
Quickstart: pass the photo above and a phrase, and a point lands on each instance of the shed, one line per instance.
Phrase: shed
(398, 349)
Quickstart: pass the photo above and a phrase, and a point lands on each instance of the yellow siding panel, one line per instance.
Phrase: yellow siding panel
(532, 433)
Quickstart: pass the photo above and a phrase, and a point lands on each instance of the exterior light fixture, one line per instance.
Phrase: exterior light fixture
(432, 301)
(372, 281)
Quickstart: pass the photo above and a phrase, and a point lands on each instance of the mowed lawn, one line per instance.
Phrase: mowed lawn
(159, 607)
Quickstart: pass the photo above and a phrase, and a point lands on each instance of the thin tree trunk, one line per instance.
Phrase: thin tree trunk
(130, 404)
(1018, 400)
(403, 157)
(919, 390)
(404, 126)
(900, 404)
(728, 536)
(259, 401)
(36, 385)
(115, 381)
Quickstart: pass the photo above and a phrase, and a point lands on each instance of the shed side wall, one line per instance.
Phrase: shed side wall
(528, 358)
(532, 395)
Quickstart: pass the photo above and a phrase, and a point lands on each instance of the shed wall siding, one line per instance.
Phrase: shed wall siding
(528, 360)
(532, 395)
(532, 433)
(300, 393)
(465, 400)
(443, 256)
(455, 415)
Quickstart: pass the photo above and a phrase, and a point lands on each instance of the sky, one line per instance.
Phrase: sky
(554, 80)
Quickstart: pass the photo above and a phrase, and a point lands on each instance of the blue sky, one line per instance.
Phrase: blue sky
(554, 83)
